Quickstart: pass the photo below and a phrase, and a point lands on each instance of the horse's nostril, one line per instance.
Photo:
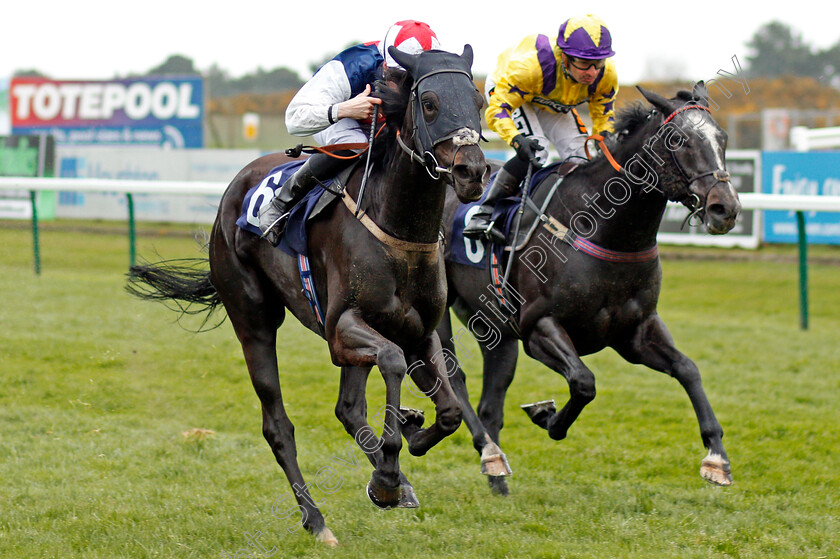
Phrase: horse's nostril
(466, 173)
(459, 173)
(717, 210)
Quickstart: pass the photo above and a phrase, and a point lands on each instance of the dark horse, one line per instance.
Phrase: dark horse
(569, 303)
(380, 277)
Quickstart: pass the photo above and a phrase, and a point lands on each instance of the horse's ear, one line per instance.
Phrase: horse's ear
(661, 103)
(701, 94)
(467, 55)
(404, 59)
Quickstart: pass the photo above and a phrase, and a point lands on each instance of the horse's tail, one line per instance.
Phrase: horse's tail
(184, 282)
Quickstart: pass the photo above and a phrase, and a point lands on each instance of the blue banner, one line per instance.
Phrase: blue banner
(813, 173)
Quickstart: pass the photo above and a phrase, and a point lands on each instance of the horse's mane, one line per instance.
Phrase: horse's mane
(631, 118)
(394, 106)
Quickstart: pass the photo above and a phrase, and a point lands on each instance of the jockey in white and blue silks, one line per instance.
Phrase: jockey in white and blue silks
(336, 107)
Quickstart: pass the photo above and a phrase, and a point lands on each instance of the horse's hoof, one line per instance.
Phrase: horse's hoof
(498, 486)
(384, 498)
(411, 421)
(408, 499)
(325, 536)
(413, 416)
(494, 463)
(540, 412)
(715, 469)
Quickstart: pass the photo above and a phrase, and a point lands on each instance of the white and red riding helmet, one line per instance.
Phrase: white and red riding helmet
(410, 36)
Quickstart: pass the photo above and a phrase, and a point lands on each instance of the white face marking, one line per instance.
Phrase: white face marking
(715, 138)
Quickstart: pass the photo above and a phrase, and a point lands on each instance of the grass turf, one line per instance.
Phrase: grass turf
(97, 390)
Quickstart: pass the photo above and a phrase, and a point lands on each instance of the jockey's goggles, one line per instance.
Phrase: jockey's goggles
(587, 63)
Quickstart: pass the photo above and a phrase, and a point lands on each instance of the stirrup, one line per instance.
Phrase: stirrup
(489, 233)
(494, 235)
(274, 231)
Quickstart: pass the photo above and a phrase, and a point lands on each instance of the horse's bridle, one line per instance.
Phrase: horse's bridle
(463, 136)
(692, 200)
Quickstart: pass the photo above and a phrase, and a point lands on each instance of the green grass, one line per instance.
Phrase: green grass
(97, 389)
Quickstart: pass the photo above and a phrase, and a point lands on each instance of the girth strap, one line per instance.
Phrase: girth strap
(564, 234)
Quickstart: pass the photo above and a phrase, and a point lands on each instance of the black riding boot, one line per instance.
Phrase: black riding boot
(318, 167)
(480, 226)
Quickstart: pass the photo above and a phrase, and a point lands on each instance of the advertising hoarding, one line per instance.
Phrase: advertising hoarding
(149, 111)
(744, 168)
(812, 173)
(26, 156)
(205, 165)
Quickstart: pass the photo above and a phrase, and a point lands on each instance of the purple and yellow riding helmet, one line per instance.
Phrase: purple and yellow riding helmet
(585, 37)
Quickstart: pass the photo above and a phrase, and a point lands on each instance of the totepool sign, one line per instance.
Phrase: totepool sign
(146, 111)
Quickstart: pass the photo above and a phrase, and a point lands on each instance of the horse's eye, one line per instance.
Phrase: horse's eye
(430, 105)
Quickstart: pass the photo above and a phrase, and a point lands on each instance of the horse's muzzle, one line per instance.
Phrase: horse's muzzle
(469, 173)
(722, 208)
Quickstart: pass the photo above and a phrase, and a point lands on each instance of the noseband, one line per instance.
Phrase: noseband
(461, 137)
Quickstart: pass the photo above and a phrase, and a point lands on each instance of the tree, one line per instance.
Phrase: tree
(778, 51)
(175, 65)
(220, 84)
(829, 61)
(31, 73)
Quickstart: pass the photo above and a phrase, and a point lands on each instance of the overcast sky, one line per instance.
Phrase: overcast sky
(96, 39)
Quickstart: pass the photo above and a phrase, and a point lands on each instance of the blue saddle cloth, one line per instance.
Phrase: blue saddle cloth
(294, 240)
(474, 252)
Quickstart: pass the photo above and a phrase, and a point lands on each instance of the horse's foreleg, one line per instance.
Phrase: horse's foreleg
(653, 346)
(430, 372)
(351, 407)
(550, 344)
(351, 410)
(355, 343)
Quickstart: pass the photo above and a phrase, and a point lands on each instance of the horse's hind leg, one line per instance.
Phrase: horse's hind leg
(260, 357)
(499, 369)
(258, 345)
(351, 410)
(255, 319)
(652, 345)
(549, 344)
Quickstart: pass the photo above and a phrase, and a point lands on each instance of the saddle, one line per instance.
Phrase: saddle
(506, 214)
(294, 237)
(542, 191)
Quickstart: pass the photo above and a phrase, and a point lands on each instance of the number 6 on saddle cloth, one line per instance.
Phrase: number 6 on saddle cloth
(293, 241)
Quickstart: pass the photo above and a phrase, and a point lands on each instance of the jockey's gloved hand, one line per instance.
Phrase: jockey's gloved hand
(608, 135)
(526, 149)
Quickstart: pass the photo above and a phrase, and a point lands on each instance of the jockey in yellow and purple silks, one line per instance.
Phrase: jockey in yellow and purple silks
(531, 94)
